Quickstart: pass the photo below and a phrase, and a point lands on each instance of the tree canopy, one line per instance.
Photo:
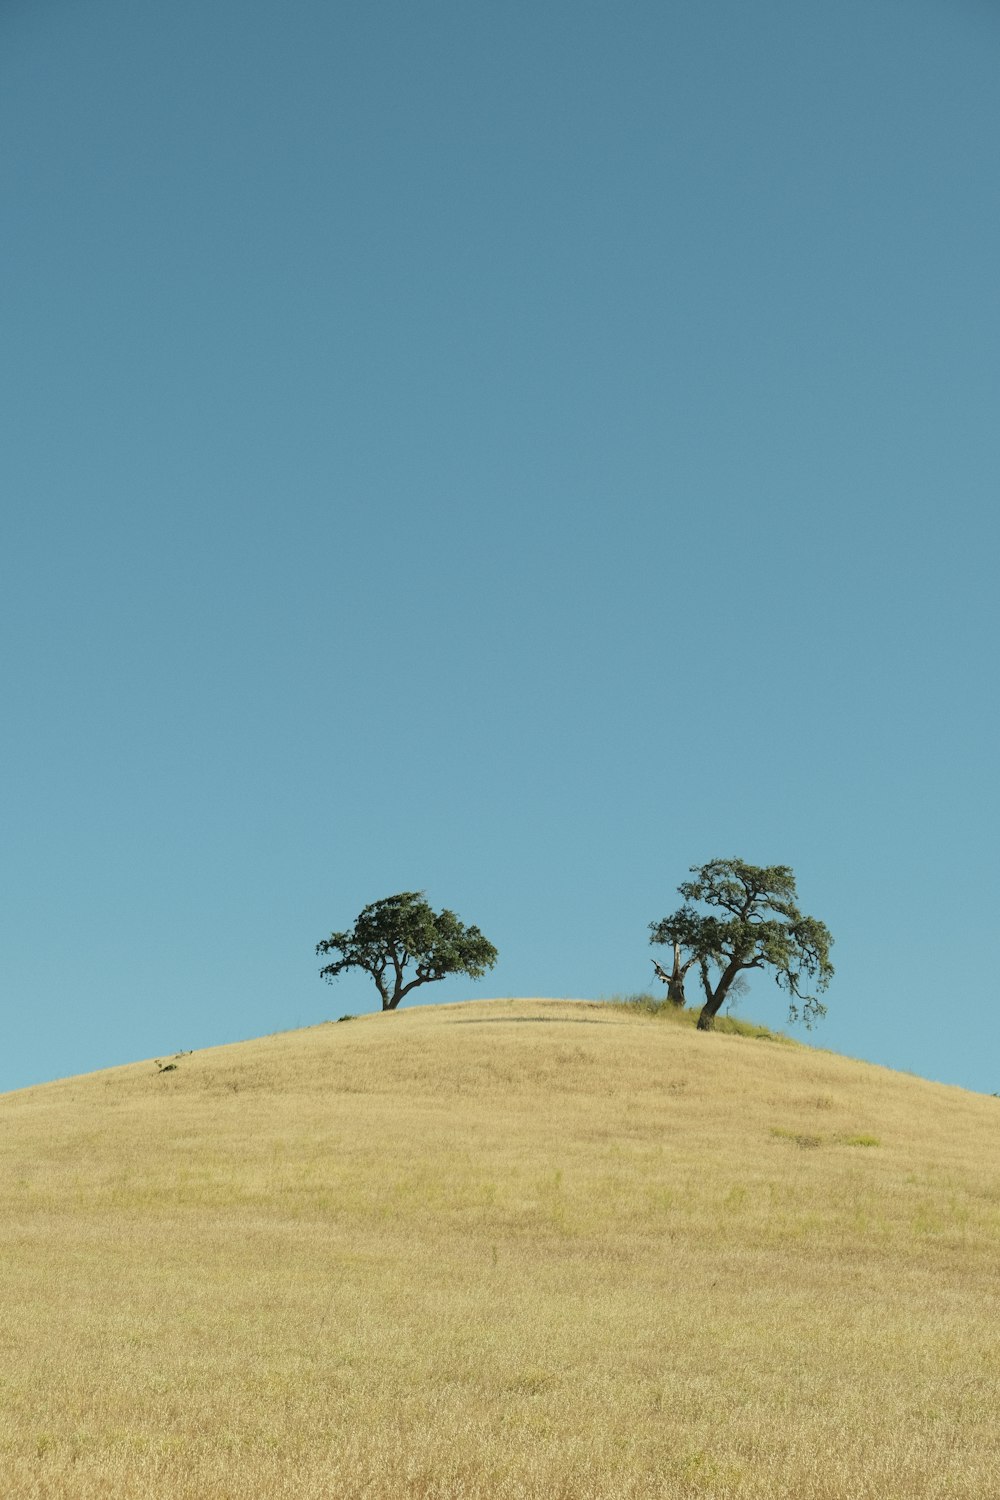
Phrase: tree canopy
(402, 943)
(753, 922)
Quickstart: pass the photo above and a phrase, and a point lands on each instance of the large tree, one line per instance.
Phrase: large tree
(402, 943)
(753, 922)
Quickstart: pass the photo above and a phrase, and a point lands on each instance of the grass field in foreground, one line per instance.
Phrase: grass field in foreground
(448, 1253)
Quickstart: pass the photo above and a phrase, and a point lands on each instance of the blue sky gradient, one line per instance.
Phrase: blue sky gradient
(516, 452)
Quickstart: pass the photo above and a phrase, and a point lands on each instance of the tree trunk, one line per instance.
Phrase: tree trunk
(708, 1013)
(674, 981)
(675, 984)
(715, 999)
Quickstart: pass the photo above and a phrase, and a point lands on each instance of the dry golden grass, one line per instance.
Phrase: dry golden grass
(446, 1253)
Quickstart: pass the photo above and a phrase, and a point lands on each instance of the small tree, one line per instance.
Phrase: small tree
(684, 940)
(754, 923)
(399, 931)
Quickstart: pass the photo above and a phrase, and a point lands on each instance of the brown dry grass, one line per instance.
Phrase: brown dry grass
(449, 1254)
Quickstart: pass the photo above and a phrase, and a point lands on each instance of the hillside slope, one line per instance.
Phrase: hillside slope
(499, 1249)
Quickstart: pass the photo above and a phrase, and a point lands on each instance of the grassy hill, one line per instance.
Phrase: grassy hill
(501, 1249)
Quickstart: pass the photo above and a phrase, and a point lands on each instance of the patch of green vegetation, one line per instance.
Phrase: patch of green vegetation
(806, 1140)
(733, 1026)
(797, 1137)
(663, 1010)
(648, 1005)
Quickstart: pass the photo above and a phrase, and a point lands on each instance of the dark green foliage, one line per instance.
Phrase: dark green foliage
(753, 922)
(400, 933)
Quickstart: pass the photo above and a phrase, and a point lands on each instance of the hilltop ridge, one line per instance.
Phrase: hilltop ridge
(443, 1252)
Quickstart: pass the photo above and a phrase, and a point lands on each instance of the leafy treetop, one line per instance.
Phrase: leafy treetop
(401, 933)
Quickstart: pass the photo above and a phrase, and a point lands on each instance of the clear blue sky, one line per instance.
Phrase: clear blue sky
(515, 451)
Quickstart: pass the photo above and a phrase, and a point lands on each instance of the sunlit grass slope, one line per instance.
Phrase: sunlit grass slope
(500, 1249)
